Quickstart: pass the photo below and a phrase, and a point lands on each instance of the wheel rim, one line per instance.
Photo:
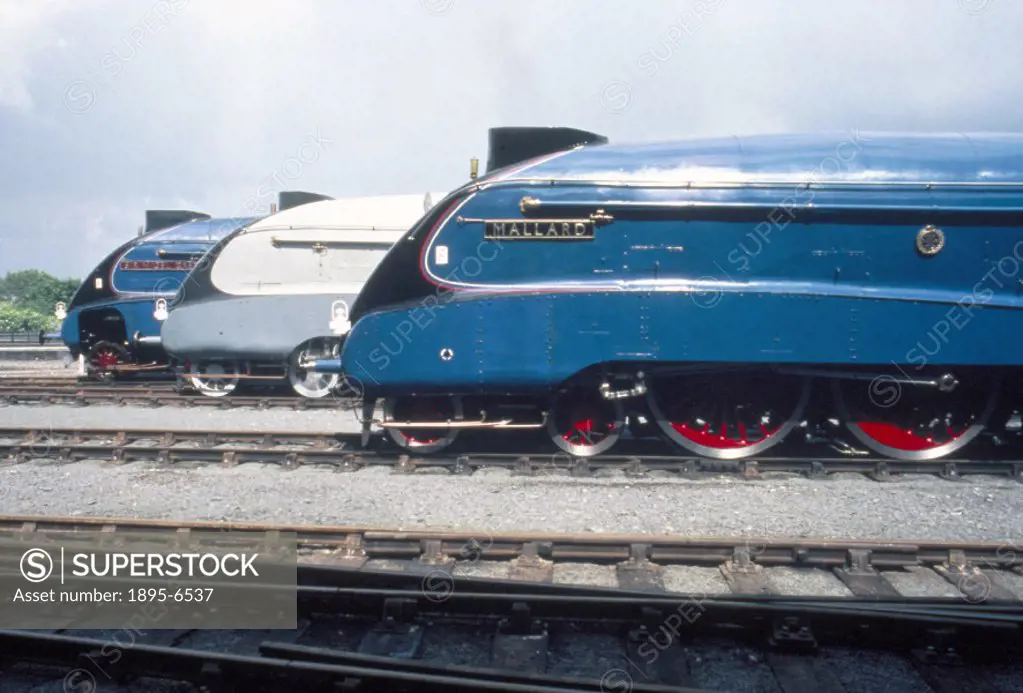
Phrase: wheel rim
(584, 424)
(420, 409)
(728, 415)
(308, 384)
(907, 422)
(213, 387)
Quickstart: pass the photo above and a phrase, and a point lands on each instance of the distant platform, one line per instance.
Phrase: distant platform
(34, 353)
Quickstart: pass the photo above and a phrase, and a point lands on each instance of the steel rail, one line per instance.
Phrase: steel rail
(372, 542)
(28, 379)
(156, 397)
(344, 451)
(76, 388)
(216, 671)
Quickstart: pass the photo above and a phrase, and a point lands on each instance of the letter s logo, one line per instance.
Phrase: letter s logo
(36, 565)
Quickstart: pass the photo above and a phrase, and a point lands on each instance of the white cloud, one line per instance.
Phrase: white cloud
(25, 29)
(200, 106)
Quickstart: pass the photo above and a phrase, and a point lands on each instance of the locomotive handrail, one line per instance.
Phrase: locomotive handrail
(325, 227)
(902, 186)
(323, 244)
(530, 205)
(163, 252)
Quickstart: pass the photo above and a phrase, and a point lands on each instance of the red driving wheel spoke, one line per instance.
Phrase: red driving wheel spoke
(588, 429)
(103, 359)
(423, 410)
(922, 423)
(728, 414)
(905, 439)
(581, 423)
(106, 359)
(721, 441)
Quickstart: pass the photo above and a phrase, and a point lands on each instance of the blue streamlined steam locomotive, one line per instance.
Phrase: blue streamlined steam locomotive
(729, 294)
(114, 317)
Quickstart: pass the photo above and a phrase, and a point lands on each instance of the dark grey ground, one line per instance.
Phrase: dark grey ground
(718, 668)
(852, 506)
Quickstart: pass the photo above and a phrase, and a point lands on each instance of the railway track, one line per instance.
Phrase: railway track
(474, 611)
(151, 394)
(345, 453)
(61, 382)
(813, 458)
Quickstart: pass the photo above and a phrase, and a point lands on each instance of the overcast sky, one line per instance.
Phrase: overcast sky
(110, 107)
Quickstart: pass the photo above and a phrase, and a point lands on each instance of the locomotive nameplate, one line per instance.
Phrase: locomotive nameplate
(156, 265)
(539, 229)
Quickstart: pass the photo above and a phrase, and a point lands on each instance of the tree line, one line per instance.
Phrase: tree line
(28, 298)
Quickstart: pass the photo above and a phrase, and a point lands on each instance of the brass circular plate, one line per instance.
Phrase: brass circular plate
(930, 240)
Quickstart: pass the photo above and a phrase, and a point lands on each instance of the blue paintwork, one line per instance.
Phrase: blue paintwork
(164, 283)
(69, 332)
(132, 293)
(137, 314)
(183, 241)
(719, 251)
(331, 366)
(839, 156)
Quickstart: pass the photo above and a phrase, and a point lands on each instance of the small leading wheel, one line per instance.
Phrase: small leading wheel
(582, 423)
(915, 422)
(306, 383)
(214, 379)
(103, 357)
(728, 415)
(423, 410)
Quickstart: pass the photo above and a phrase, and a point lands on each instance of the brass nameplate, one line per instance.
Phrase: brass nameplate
(156, 265)
(539, 229)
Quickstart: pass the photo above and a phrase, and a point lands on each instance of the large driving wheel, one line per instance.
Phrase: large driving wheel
(728, 414)
(914, 422)
(420, 410)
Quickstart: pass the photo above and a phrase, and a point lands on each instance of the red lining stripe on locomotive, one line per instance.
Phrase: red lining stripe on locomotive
(529, 163)
(429, 237)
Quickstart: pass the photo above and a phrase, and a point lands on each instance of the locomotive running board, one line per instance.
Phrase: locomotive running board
(240, 376)
(135, 368)
(945, 382)
(504, 423)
